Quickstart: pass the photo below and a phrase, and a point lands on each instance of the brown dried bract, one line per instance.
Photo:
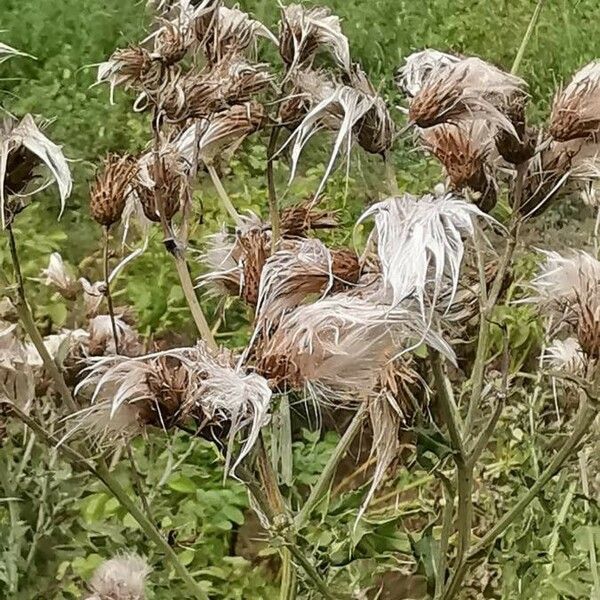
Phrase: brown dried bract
(109, 191)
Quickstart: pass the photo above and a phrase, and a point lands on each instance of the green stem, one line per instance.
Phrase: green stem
(227, 203)
(527, 37)
(102, 472)
(28, 322)
(584, 420)
(109, 300)
(322, 485)
(442, 558)
(289, 583)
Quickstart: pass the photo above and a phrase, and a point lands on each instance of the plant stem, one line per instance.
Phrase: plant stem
(28, 322)
(442, 558)
(229, 207)
(289, 582)
(114, 487)
(311, 572)
(109, 301)
(319, 489)
(585, 418)
(273, 204)
(190, 295)
(532, 23)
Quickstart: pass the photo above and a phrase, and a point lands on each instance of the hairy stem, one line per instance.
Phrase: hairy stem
(109, 301)
(224, 197)
(273, 203)
(102, 472)
(442, 558)
(322, 485)
(28, 323)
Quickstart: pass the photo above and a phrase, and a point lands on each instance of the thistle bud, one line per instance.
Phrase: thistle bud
(109, 192)
(516, 150)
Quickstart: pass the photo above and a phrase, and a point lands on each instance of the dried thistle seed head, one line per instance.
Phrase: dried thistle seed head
(229, 32)
(303, 31)
(516, 150)
(576, 108)
(464, 152)
(376, 128)
(24, 148)
(58, 277)
(466, 90)
(565, 355)
(588, 322)
(162, 185)
(127, 67)
(110, 189)
(418, 68)
(171, 42)
(256, 248)
(227, 129)
(298, 220)
(547, 177)
(121, 578)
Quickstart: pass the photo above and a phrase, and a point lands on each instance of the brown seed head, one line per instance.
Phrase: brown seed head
(135, 63)
(345, 268)
(171, 43)
(298, 220)
(575, 112)
(170, 186)
(436, 103)
(255, 251)
(588, 322)
(109, 191)
(513, 150)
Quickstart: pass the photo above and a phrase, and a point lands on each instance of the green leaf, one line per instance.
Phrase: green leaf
(183, 484)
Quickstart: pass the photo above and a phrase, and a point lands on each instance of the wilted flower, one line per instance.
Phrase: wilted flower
(575, 109)
(17, 381)
(128, 67)
(376, 128)
(464, 151)
(120, 578)
(516, 150)
(102, 342)
(565, 355)
(570, 287)
(229, 32)
(23, 147)
(304, 31)
(57, 276)
(209, 387)
(111, 188)
(299, 269)
(171, 43)
(222, 134)
(161, 184)
(420, 243)
(419, 67)
(338, 346)
(466, 90)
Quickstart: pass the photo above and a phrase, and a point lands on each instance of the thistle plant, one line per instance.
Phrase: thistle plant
(374, 329)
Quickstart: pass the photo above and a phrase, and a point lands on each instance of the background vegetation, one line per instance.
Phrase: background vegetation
(55, 526)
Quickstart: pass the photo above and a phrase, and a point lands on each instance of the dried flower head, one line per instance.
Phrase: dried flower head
(301, 268)
(101, 341)
(23, 147)
(338, 346)
(171, 43)
(465, 90)
(58, 277)
(464, 151)
(304, 31)
(110, 189)
(569, 287)
(222, 134)
(161, 185)
(516, 150)
(375, 130)
(17, 381)
(128, 67)
(130, 393)
(420, 244)
(418, 68)
(120, 578)
(227, 32)
(297, 220)
(575, 109)
(565, 355)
